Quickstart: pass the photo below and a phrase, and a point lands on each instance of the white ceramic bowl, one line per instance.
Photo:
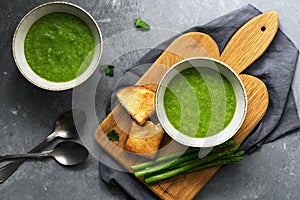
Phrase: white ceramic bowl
(33, 16)
(238, 117)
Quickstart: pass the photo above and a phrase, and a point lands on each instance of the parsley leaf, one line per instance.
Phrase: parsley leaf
(108, 69)
(113, 135)
(139, 23)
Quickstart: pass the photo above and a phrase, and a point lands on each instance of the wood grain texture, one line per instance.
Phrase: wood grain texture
(186, 186)
(250, 41)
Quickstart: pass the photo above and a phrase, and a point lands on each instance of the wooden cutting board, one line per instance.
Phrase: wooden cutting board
(247, 44)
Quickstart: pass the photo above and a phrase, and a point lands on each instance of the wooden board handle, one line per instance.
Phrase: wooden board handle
(250, 41)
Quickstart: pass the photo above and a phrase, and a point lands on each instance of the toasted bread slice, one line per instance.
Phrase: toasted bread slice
(138, 101)
(144, 140)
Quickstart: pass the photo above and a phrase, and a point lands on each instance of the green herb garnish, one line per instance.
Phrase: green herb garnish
(139, 23)
(108, 69)
(113, 135)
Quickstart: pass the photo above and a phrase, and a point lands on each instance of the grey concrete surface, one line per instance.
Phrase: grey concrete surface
(28, 113)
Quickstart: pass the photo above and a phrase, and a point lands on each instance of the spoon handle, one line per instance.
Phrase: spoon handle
(8, 169)
(28, 155)
(40, 146)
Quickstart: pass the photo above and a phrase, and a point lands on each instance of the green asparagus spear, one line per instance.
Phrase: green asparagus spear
(217, 163)
(176, 155)
(166, 165)
(240, 153)
(164, 158)
(195, 163)
(190, 168)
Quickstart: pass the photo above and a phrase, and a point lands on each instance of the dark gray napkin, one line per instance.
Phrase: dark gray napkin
(275, 68)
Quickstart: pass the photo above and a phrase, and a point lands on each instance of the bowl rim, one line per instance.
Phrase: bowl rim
(198, 142)
(60, 85)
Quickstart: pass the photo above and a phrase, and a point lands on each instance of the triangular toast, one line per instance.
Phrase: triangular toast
(138, 101)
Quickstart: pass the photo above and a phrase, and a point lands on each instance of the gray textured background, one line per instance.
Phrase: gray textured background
(28, 113)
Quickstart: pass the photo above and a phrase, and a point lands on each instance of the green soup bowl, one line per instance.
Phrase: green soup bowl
(201, 102)
(90, 62)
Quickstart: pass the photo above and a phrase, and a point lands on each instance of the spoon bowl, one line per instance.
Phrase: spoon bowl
(65, 126)
(69, 153)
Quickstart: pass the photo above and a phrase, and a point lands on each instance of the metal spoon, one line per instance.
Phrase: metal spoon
(66, 153)
(64, 128)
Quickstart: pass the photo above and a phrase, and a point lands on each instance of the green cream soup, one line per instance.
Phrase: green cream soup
(59, 47)
(199, 102)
